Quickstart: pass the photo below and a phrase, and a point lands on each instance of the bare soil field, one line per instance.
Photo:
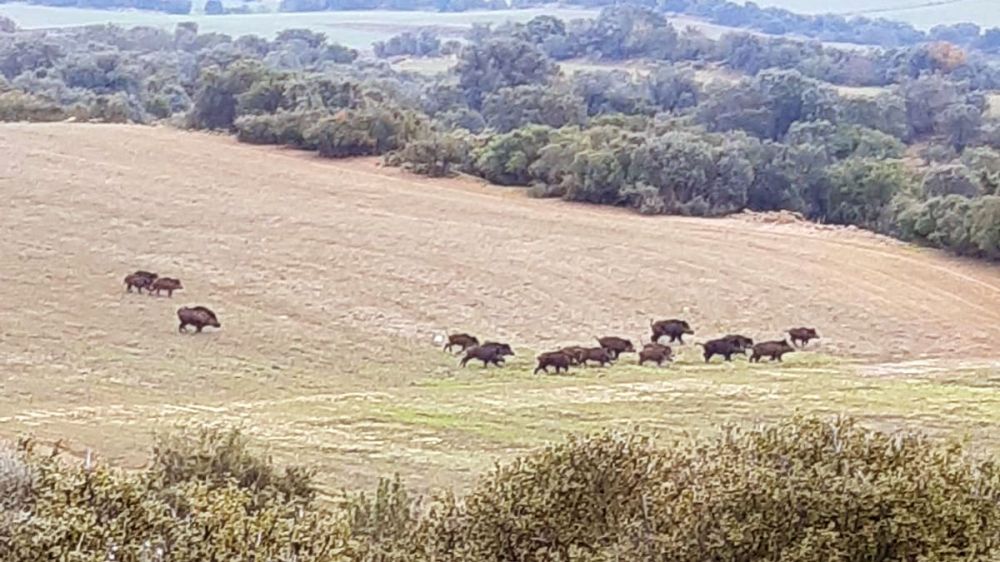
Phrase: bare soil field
(332, 279)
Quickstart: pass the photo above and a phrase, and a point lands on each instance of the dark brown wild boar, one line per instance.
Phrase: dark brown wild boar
(616, 346)
(557, 359)
(140, 282)
(598, 355)
(803, 335)
(167, 284)
(464, 341)
(503, 348)
(149, 274)
(489, 352)
(772, 349)
(657, 353)
(723, 347)
(742, 342)
(674, 329)
(576, 353)
(197, 316)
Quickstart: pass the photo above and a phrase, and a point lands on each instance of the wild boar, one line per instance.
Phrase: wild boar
(742, 342)
(197, 316)
(724, 347)
(464, 341)
(657, 353)
(489, 352)
(616, 346)
(167, 284)
(803, 335)
(576, 353)
(674, 329)
(772, 349)
(140, 282)
(557, 359)
(598, 355)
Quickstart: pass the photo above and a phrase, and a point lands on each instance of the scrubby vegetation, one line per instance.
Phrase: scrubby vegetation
(918, 160)
(804, 489)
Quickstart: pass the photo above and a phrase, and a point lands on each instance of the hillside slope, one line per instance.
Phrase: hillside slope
(334, 276)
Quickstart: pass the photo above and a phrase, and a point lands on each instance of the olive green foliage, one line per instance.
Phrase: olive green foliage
(954, 222)
(423, 43)
(804, 489)
(505, 159)
(433, 156)
(20, 106)
(500, 63)
(861, 189)
(284, 128)
(205, 497)
(510, 108)
(7, 25)
(217, 458)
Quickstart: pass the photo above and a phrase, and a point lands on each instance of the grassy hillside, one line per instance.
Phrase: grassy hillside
(332, 280)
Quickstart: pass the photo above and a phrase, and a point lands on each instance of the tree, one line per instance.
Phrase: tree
(214, 8)
(958, 33)
(616, 91)
(960, 123)
(423, 44)
(215, 102)
(433, 156)
(885, 112)
(984, 230)
(500, 63)
(506, 159)
(926, 98)
(861, 188)
(626, 31)
(672, 89)
(510, 108)
(952, 179)
(768, 104)
(7, 25)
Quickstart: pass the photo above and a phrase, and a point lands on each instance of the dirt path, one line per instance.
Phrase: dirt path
(332, 277)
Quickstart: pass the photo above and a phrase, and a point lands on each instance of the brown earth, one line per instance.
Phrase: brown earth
(336, 276)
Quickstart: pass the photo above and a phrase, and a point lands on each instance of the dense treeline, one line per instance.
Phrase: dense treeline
(801, 490)
(624, 33)
(168, 6)
(918, 160)
(437, 5)
(746, 15)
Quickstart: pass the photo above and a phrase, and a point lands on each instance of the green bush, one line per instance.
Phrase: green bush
(205, 497)
(216, 458)
(365, 132)
(19, 106)
(434, 156)
(800, 490)
(805, 489)
(284, 128)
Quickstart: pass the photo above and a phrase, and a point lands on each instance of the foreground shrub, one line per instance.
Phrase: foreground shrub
(803, 490)
(205, 497)
(20, 106)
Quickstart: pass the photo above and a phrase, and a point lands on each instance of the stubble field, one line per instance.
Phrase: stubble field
(333, 278)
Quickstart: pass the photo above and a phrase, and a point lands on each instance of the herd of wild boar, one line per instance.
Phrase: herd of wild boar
(198, 317)
(610, 348)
